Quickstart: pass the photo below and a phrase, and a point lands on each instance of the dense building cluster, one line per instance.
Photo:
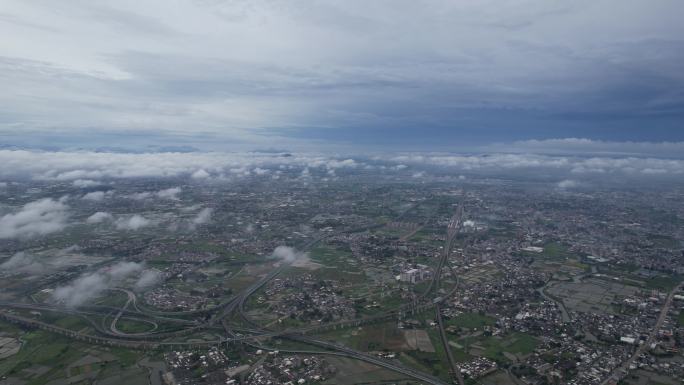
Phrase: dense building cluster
(290, 370)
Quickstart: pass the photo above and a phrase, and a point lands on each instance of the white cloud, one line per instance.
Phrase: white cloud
(347, 163)
(170, 193)
(44, 216)
(89, 286)
(654, 171)
(288, 254)
(123, 269)
(99, 217)
(200, 174)
(21, 261)
(204, 216)
(147, 279)
(141, 195)
(627, 166)
(567, 184)
(71, 166)
(134, 222)
(81, 183)
(191, 208)
(97, 196)
(81, 290)
(75, 165)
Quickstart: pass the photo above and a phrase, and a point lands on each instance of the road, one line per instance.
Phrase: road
(623, 369)
(452, 231)
(220, 313)
(131, 299)
(338, 349)
(565, 315)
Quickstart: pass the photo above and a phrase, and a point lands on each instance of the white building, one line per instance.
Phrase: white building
(415, 275)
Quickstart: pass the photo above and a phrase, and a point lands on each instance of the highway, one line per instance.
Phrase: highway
(338, 349)
(254, 334)
(219, 314)
(131, 299)
(452, 231)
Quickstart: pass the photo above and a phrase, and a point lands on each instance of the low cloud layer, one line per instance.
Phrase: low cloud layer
(132, 223)
(628, 166)
(288, 254)
(43, 263)
(204, 216)
(567, 184)
(92, 285)
(169, 193)
(148, 279)
(99, 217)
(523, 157)
(583, 146)
(22, 261)
(44, 216)
(93, 166)
(97, 196)
(83, 183)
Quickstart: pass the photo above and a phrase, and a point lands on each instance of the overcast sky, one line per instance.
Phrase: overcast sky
(394, 74)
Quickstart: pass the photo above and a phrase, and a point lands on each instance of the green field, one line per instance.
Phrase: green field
(71, 322)
(331, 256)
(494, 347)
(555, 251)
(41, 349)
(132, 326)
(471, 321)
(44, 357)
(664, 283)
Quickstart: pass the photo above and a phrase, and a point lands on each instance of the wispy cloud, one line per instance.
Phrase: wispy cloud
(170, 193)
(204, 216)
(44, 216)
(99, 217)
(83, 183)
(132, 223)
(90, 286)
(567, 184)
(147, 279)
(97, 196)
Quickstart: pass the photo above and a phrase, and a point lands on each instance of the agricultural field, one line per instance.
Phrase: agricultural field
(591, 295)
(49, 359)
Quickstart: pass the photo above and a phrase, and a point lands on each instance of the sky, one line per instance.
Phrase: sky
(395, 75)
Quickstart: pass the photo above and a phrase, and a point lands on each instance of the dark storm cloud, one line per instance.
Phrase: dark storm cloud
(342, 71)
